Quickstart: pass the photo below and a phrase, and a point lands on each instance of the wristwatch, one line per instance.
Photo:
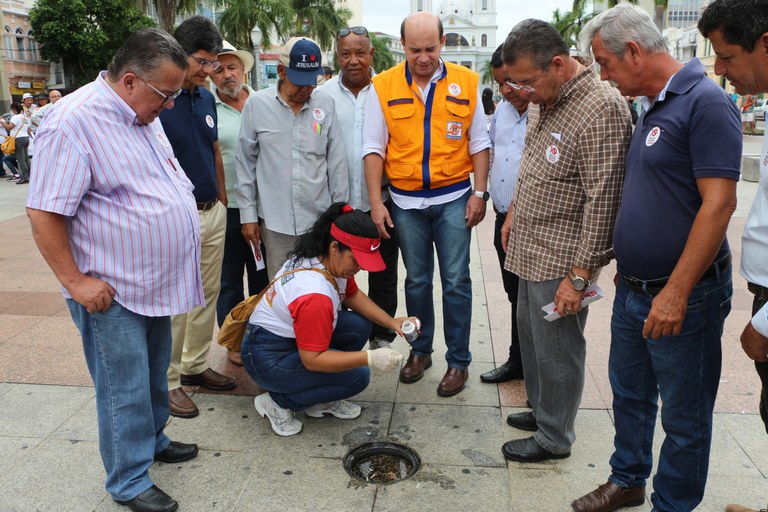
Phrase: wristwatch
(578, 282)
(482, 195)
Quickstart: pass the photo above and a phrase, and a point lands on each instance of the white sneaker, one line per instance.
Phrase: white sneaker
(340, 409)
(284, 422)
(378, 343)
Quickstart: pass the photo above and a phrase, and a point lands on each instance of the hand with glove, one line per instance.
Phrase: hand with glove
(384, 359)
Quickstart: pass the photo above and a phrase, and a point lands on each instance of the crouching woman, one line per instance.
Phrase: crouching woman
(298, 345)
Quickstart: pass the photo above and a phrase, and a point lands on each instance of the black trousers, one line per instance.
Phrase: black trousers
(511, 283)
(382, 286)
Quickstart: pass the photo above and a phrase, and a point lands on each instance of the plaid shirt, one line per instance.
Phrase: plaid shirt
(570, 181)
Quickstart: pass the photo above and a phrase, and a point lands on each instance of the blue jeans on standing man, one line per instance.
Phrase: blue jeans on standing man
(127, 356)
(442, 228)
(684, 370)
(274, 363)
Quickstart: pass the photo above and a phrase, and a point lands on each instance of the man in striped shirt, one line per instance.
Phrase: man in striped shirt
(115, 219)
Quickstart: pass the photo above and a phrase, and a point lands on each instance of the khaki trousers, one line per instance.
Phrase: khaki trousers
(278, 246)
(192, 332)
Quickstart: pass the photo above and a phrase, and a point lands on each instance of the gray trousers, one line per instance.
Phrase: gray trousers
(553, 362)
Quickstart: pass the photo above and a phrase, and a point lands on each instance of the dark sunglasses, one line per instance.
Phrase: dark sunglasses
(361, 31)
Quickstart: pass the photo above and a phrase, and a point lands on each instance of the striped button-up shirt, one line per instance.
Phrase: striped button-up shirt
(570, 181)
(508, 138)
(131, 216)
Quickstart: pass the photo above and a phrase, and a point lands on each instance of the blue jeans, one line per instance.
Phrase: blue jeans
(238, 257)
(420, 232)
(127, 356)
(274, 363)
(684, 370)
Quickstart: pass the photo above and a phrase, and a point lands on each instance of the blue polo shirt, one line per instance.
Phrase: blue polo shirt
(191, 126)
(693, 131)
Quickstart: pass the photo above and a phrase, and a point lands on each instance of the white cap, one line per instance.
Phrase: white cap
(27, 95)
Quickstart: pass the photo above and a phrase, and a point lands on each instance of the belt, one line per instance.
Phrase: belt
(761, 292)
(207, 205)
(654, 286)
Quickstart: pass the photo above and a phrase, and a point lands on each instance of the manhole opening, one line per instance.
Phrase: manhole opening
(382, 463)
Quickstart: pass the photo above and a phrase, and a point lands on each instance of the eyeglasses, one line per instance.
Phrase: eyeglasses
(526, 88)
(166, 98)
(205, 63)
(361, 31)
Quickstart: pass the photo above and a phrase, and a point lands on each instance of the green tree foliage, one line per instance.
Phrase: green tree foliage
(382, 57)
(486, 75)
(240, 17)
(83, 34)
(319, 20)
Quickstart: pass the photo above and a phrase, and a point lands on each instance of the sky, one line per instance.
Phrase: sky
(386, 15)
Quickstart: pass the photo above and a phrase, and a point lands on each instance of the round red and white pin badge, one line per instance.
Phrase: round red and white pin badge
(553, 154)
(653, 136)
(209, 120)
(454, 89)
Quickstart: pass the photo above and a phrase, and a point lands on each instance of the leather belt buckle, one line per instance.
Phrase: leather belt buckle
(207, 205)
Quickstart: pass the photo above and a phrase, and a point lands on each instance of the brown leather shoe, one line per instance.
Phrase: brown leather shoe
(209, 379)
(181, 405)
(234, 358)
(609, 497)
(414, 368)
(453, 382)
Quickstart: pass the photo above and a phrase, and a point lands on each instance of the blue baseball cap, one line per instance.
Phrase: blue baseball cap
(302, 60)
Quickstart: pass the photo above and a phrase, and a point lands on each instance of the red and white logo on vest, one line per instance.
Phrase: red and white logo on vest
(553, 154)
(653, 136)
(454, 130)
(454, 89)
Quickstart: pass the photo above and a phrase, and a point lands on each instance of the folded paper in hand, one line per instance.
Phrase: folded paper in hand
(591, 294)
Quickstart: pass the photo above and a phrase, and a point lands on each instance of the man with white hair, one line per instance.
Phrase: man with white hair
(290, 156)
(231, 95)
(673, 289)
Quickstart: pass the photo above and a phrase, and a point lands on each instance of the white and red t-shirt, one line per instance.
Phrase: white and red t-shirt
(303, 305)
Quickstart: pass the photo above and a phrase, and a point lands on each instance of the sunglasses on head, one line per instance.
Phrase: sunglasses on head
(361, 31)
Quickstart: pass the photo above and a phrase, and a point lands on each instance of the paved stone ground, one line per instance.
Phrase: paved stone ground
(49, 458)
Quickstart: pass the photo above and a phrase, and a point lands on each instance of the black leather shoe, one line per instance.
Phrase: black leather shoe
(523, 421)
(528, 450)
(177, 452)
(506, 372)
(151, 500)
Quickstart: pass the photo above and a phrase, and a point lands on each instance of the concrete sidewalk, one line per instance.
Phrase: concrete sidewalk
(49, 459)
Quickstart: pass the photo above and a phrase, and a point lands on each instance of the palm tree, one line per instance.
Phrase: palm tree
(319, 20)
(486, 73)
(569, 24)
(382, 57)
(167, 10)
(241, 16)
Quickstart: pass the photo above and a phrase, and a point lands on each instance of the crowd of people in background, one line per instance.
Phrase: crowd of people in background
(22, 126)
(297, 187)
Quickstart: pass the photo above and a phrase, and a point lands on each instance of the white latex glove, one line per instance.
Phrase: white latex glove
(384, 359)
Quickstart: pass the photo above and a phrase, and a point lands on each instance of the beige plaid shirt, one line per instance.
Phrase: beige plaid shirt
(570, 181)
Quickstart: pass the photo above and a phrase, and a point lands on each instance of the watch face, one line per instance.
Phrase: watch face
(578, 283)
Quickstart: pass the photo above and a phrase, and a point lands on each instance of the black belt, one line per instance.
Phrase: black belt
(654, 286)
(207, 205)
(761, 292)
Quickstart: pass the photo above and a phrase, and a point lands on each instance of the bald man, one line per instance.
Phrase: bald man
(433, 204)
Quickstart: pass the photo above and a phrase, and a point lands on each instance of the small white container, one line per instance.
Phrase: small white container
(410, 330)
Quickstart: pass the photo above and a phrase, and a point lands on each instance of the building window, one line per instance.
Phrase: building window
(420, 5)
(485, 5)
(8, 42)
(484, 40)
(32, 46)
(270, 71)
(20, 50)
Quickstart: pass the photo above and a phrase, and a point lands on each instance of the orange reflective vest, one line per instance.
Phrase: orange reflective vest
(428, 148)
